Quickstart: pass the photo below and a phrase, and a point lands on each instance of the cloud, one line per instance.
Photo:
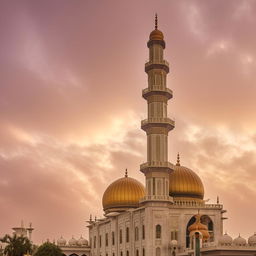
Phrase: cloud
(70, 104)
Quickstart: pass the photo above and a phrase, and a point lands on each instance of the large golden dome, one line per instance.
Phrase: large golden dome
(185, 184)
(122, 194)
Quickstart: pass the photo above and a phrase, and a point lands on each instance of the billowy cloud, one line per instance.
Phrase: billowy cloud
(71, 75)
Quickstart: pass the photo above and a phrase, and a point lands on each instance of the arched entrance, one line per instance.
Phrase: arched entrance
(206, 220)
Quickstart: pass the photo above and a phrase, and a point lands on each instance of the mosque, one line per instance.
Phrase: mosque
(168, 216)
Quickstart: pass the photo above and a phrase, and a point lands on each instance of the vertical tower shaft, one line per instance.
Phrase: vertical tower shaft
(157, 125)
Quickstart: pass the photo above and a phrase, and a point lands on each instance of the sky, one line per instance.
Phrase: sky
(71, 76)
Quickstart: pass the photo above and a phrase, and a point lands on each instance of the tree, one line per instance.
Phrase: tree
(48, 249)
(16, 245)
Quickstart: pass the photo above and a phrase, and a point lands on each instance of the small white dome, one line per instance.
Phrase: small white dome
(174, 243)
(252, 240)
(225, 240)
(72, 242)
(82, 241)
(61, 241)
(239, 241)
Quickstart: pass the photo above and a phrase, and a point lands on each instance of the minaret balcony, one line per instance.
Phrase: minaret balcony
(157, 89)
(156, 165)
(156, 198)
(162, 64)
(166, 122)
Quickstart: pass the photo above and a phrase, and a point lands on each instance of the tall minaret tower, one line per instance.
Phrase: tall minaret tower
(157, 125)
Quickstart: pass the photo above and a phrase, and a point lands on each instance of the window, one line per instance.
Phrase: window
(113, 238)
(121, 254)
(113, 254)
(120, 236)
(127, 253)
(100, 241)
(174, 235)
(127, 235)
(143, 232)
(137, 252)
(158, 251)
(136, 233)
(143, 252)
(94, 242)
(158, 231)
(106, 239)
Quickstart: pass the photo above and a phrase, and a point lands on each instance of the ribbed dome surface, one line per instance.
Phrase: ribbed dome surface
(122, 194)
(156, 35)
(252, 240)
(186, 184)
(225, 240)
(239, 241)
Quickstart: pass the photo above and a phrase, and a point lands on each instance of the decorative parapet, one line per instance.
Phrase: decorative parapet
(193, 204)
(156, 198)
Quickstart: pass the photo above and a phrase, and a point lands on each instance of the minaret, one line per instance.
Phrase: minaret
(157, 125)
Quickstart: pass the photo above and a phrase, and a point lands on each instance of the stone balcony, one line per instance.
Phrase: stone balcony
(156, 198)
(157, 89)
(163, 64)
(157, 122)
(156, 165)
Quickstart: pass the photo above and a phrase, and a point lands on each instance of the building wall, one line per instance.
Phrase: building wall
(173, 222)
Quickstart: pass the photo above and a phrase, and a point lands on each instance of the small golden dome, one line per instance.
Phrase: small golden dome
(198, 226)
(122, 194)
(156, 35)
(185, 184)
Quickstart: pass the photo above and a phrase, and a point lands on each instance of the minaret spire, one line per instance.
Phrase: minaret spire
(156, 21)
(178, 160)
(157, 125)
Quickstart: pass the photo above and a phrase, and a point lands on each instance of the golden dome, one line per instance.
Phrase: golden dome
(122, 194)
(156, 35)
(185, 184)
(198, 226)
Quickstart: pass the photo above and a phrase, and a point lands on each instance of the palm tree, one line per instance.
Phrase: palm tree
(16, 245)
(48, 249)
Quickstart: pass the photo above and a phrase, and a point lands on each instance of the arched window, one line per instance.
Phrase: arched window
(100, 241)
(94, 242)
(158, 251)
(106, 239)
(143, 252)
(121, 254)
(127, 235)
(120, 236)
(113, 238)
(137, 252)
(143, 232)
(113, 254)
(136, 234)
(158, 231)
(127, 253)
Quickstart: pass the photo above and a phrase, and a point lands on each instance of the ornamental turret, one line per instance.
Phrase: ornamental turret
(157, 126)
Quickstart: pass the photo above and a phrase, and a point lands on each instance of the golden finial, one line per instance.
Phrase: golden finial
(126, 173)
(156, 21)
(218, 200)
(178, 160)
